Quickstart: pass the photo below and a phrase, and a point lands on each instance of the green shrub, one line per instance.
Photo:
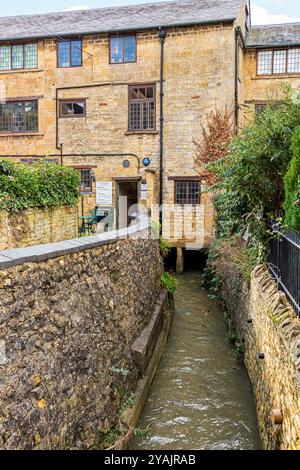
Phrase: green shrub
(41, 184)
(292, 185)
(169, 282)
(250, 184)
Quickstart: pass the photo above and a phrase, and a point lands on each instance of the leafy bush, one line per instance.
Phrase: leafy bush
(169, 282)
(41, 184)
(251, 177)
(292, 185)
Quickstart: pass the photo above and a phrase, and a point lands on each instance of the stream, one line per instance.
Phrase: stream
(201, 399)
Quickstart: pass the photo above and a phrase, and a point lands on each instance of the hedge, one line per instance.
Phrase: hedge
(41, 184)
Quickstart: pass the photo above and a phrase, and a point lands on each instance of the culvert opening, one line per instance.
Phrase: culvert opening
(195, 260)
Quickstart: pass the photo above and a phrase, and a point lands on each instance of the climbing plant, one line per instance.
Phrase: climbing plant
(292, 186)
(41, 184)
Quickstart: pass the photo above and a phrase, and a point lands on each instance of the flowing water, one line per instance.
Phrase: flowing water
(200, 399)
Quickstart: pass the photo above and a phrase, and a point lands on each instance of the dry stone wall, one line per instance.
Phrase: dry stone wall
(270, 331)
(67, 324)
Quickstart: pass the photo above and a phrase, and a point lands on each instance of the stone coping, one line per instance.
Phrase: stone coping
(35, 254)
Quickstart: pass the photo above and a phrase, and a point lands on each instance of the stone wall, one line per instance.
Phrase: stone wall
(37, 225)
(68, 322)
(267, 325)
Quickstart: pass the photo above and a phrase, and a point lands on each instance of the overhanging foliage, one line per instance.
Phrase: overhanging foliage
(41, 184)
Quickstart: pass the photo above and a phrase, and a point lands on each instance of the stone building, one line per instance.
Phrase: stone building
(121, 94)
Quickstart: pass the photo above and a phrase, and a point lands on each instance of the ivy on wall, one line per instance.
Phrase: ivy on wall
(41, 184)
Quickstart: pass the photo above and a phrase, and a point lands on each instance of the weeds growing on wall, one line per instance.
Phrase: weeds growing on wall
(169, 282)
(41, 184)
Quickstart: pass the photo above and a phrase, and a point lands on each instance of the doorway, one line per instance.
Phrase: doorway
(127, 199)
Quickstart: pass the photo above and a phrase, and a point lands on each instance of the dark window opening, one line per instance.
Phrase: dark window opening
(19, 116)
(86, 181)
(122, 49)
(69, 53)
(142, 108)
(72, 108)
(187, 192)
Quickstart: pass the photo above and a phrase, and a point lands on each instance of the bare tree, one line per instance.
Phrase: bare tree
(216, 136)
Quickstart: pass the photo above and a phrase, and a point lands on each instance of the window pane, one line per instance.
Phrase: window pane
(76, 53)
(135, 116)
(264, 66)
(64, 54)
(73, 108)
(86, 180)
(129, 49)
(150, 92)
(294, 61)
(31, 56)
(134, 93)
(279, 62)
(148, 115)
(17, 57)
(116, 50)
(5, 63)
(194, 192)
(180, 192)
(5, 118)
(31, 116)
(18, 117)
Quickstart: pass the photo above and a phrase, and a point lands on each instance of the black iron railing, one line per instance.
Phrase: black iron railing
(284, 263)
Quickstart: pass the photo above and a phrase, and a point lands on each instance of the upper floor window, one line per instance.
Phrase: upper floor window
(122, 49)
(187, 192)
(142, 108)
(72, 108)
(69, 53)
(19, 116)
(18, 57)
(278, 61)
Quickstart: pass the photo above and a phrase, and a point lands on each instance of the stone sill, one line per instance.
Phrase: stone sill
(141, 133)
(22, 134)
(276, 77)
(4, 72)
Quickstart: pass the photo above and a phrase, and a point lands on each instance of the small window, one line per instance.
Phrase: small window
(294, 61)
(70, 53)
(187, 192)
(142, 108)
(265, 63)
(72, 108)
(18, 57)
(86, 181)
(122, 49)
(278, 61)
(20, 116)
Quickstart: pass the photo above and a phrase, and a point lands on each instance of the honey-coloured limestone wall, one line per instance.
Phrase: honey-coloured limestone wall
(37, 225)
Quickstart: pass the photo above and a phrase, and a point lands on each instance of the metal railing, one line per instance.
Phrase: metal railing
(284, 263)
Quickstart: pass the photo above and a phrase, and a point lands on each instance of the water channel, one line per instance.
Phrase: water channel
(200, 399)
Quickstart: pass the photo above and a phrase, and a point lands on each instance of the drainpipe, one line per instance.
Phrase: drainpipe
(236, 98)
(162, 36)
(238, 36)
